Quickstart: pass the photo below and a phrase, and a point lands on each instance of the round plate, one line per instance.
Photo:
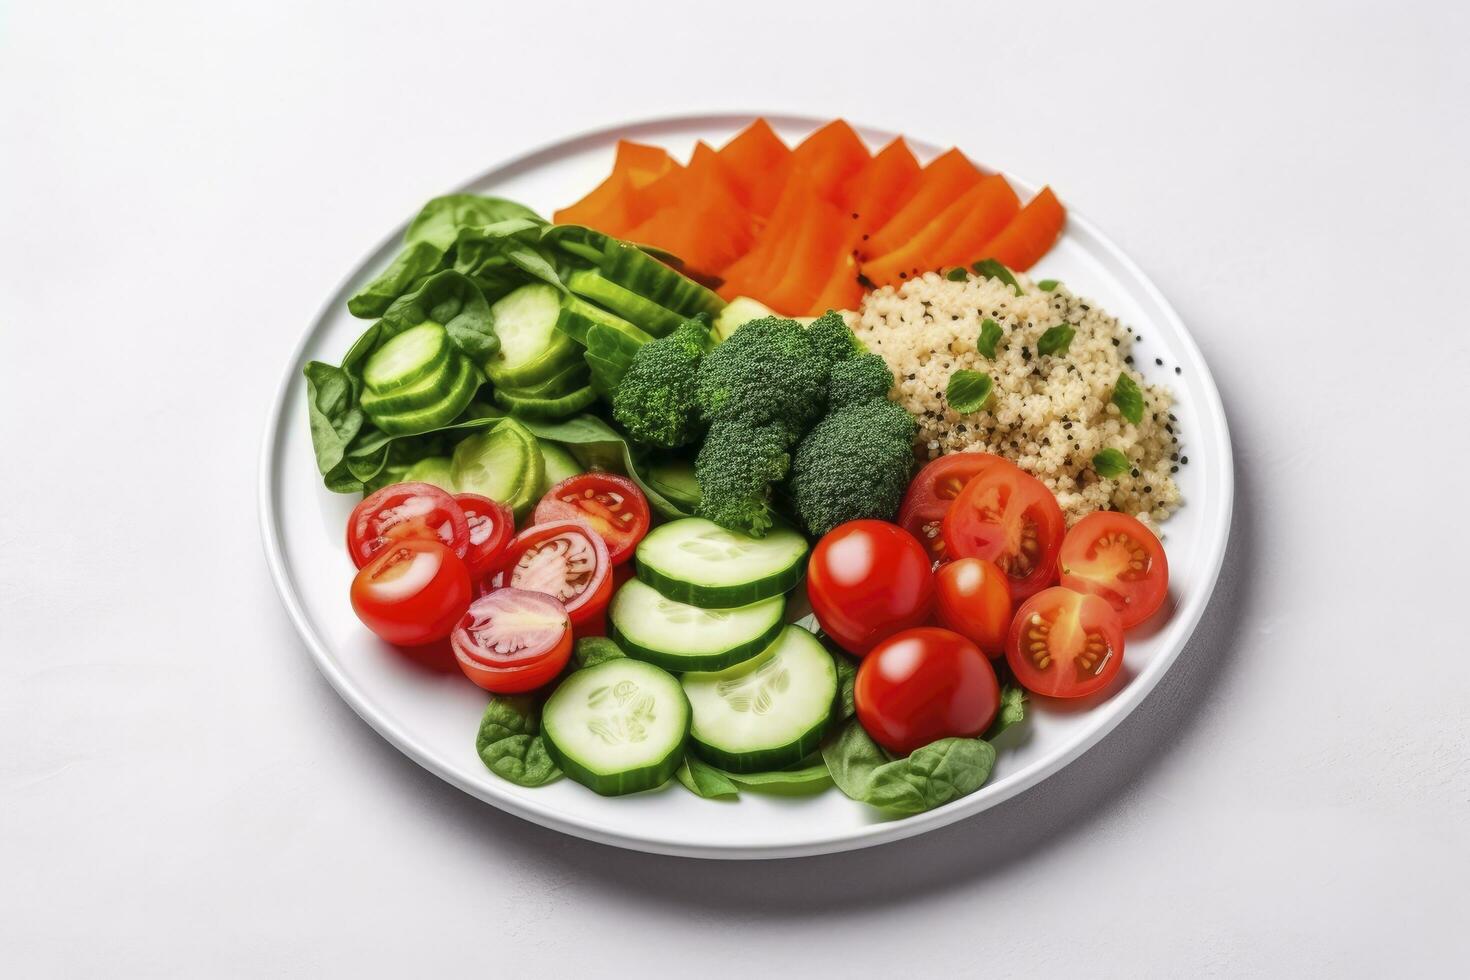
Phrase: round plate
(432, 715)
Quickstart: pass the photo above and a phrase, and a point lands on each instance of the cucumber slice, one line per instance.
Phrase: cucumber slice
(433, 469)
(618, 727)
(408, 357)
(767, 713)
(611, 345)
(454, 399)
(531, 348)
(638, 310)
(503, 463)
(546, 408)
(423, 393)
(638, 272)
(674, 478)
(560, 465)
(564, 382)
(740, 311)
(696, 561)
(577, 315)
(677, 636)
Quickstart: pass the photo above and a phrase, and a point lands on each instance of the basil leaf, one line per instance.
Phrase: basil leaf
(440, 221)
(1012, 710)
(957, 274)
(968, 391)
(598, 445)
(1047, 285)
(1128, 398)
(509, 741)
(593, 650)
(1110, 463)
(405, 273)
(705, 780)
(932, 776)
(991, 269)
(1056, 340)
(990, 334)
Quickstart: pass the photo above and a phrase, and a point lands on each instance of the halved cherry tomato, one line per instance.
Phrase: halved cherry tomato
(866, 581)
(975, 602)
(492, 525)
(512, 640)
(611, 505)
(405, 510)
(1009, 517)
(1065, 644)
(933, 491)
(412, 592)
(925, 684)
(1114, 556)
(567, 560)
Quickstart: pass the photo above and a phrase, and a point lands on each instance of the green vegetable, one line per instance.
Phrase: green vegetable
(432, 469)
(695, 561)
(991, 269)
(532, 349)
(593, 650)
(509, 741)
(704, 780)
(737, 313)
(1056, 340)
(858, 379)
(598, 446)
(559, 464)
(1047, 285)
(854, 463)
(656, 399)
(503, 463)
(736, 468)
(846, 679)
(831, 337)
(638, 310)
(1110, 463)
(932, 776)
(1012, 710)
(957, 274)
(558, 407)
(990, 334)
(1128, 398)
(968, 391)
(674, 478)
(500, 256)
(768, 373)
(799, 775)
(634, 269)
(440, 221)
(407, 270)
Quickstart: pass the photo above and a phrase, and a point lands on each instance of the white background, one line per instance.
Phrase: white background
(181, 185)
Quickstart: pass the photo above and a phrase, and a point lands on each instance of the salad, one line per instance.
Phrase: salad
(609, 462)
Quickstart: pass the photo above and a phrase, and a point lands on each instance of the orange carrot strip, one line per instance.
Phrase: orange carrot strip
(1030, 234)
(946, 178)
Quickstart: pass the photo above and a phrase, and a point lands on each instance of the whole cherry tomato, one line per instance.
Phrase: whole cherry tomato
(866, 581)
(975, 601)
(922, 685)
(412, 592)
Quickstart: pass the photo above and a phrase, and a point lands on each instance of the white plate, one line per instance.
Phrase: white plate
(432, 716)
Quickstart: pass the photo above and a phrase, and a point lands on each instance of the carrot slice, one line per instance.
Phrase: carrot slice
(1030, 234)
(774, 244)
(842, 290)
(912, 257)
(994, 206)
(635, 165)
(756, 160)
(793, 286)
(832, 154)
(946, 178)
(882, 187)
(698, 216)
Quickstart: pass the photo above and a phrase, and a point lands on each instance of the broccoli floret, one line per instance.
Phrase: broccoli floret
(767, 372)
(830, 336)
(656, 400)
(735, 469)
(858, 379)
(854, 463)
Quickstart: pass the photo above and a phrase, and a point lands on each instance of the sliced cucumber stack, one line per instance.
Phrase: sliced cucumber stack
(696, 561)
(503, 463)
(674, 478)
(559, 464)
(577, 317)
(438, 470)
(766, 713)
(531, 348)
(618, 727)
(677, 636)
(530, 407)
(411, 356)
(642, 312)
(417, 381)
(638, 272)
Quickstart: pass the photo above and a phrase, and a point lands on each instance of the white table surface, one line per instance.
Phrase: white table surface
(180, 792)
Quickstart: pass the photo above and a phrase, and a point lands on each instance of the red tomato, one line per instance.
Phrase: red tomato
(933, 491)
(975, 602)
(611, 505)
(1114, 556)
(491, 527)
(1065, 644)
(567, 560)
(1009, 517)
(866, 581)
(512, 640)
(925, 684)
(405, 510)
(412, 592)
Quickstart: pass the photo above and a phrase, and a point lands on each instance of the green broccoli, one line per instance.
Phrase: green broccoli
(655, 401)
(735, 469)
(831, 337)
(858, 379)
(768, 372)
(854, 463)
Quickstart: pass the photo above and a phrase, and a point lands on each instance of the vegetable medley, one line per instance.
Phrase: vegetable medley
(597, 463)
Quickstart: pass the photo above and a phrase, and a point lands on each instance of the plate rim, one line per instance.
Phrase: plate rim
(1120, 707)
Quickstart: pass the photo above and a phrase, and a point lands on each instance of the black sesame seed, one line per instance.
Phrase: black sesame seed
(1173, 456)
(1135, 473)
(1159, 361)
(1184, 460)
(1173, 469)
(1128, 359)
(1179, 370)
(1148, 489)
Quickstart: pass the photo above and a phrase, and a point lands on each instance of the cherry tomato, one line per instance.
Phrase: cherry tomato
(866, 581)
(1114, 556)
(512, 640)
(1065, 644)
(412, 592)
(567, 560)
(975, 601)
(611, 505)
(933, 491)
(1009, 517)
(491, 527)
(405, 510)
(925, 684)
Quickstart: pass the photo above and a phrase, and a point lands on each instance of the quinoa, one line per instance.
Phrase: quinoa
(1049, 413)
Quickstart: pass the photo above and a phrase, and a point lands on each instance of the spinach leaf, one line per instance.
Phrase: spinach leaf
(1128, 398)
(501, 255)
(703, 779)
(451, 299)
(846, 678)
(814, 772)
(440, 221)
(598, 445)
(968, 391)
(990, 334)
(1056, 340)
(593, 650)
(335, 418)
(1012, 710)
(406, 272)
(932, 776)
(992, 269)
(509, 741)
(1110, 463)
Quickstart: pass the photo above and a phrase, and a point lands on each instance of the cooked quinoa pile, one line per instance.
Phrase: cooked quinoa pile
(1049, 413)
